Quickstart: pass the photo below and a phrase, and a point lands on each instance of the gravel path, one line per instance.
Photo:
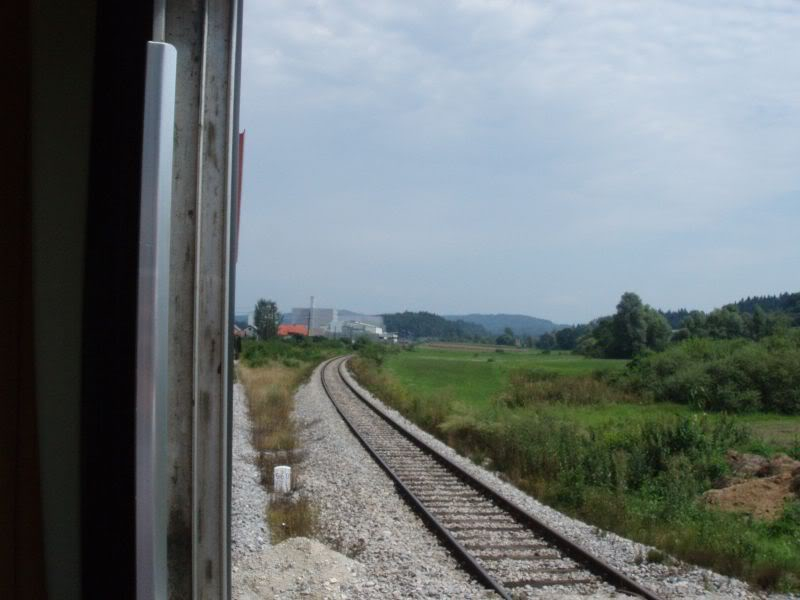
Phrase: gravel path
(249, 498)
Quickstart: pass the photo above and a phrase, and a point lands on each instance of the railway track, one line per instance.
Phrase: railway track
(504, 547)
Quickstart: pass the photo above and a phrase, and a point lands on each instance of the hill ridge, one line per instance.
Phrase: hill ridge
(521, 324)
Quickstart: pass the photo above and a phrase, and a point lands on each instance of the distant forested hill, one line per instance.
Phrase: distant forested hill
(520, 324)
(415, 325)
(785, 303)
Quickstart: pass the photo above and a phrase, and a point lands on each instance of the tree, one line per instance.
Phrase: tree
(659, 331)
(634, 328)
(759, 323)
(267, 318)
(725, 323)
(546, 341)
(628, 327)
(567, 338)
(507, 338)
(695, 324)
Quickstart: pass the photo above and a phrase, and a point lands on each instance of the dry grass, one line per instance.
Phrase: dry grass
(270, 393)
(292, 517)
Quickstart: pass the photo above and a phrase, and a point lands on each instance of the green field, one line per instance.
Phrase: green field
(476, 376)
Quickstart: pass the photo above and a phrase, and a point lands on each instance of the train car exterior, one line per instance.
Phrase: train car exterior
(120, 244)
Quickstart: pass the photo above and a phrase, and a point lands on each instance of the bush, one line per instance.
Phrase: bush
(371, 351)
(724, 375)
(290, 350)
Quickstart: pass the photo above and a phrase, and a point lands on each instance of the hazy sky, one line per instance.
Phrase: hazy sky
(530, 157)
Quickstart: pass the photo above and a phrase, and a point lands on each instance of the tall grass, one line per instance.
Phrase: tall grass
(270, 390)
(531, 387)
(271, 372)
(642, 479)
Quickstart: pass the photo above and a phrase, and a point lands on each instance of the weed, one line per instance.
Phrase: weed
(658, 557)
(528, 387)
(291, 517)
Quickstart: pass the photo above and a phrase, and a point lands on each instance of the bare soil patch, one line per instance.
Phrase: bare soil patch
(768, 485)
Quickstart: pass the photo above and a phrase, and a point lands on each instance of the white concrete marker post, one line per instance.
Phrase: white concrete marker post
(282, 480)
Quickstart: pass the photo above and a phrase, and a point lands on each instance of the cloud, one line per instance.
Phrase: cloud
(414, 132)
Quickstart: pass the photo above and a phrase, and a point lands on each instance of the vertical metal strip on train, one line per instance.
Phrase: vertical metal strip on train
(152, 322)
(206, 34)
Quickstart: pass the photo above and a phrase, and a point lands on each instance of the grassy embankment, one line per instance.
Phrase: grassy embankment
(271, 371)
(559, 427)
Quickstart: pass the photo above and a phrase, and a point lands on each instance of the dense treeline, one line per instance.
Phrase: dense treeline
(729, 322)
(563, 339)
(420, 325)
(786, 303)
(637, 327)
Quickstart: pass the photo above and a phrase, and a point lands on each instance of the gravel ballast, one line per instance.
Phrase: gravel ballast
(362, 516)
(249, 499)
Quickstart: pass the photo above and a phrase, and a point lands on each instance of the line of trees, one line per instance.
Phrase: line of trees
(729, 322)
(637, 327)
(563, 339)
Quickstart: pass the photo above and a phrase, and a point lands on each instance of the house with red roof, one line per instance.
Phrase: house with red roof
(292, 329)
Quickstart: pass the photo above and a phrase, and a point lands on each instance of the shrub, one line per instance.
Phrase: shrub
(724, 375)
(257, 353)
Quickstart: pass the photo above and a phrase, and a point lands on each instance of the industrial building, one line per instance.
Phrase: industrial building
(321, 318)
(357, 329)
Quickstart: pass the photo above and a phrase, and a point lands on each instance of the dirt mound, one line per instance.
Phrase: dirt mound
(744, 464)
(778, 464)
(763, 496)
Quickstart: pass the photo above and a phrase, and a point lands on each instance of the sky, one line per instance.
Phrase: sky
(521, 157)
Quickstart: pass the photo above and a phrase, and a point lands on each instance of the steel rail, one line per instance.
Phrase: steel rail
(592, 563)
(461, 554)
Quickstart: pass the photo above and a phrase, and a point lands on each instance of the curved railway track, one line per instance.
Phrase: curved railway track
(504, 547)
